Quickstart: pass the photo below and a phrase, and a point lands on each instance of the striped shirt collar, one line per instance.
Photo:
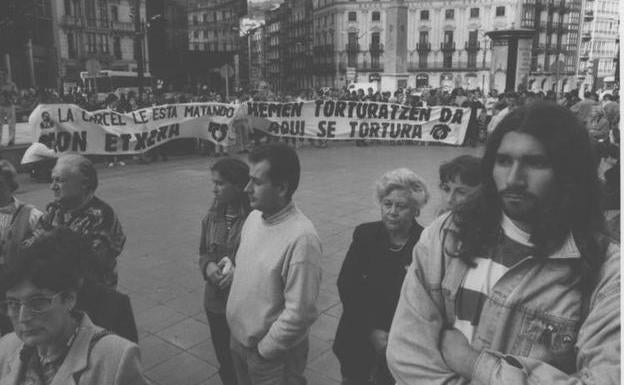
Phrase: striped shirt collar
(568, 249)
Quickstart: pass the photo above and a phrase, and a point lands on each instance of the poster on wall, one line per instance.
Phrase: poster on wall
(523, 64)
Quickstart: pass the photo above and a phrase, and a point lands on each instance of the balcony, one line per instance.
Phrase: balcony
(448, 46)
(369, 67)
(584, 56)
(122, 26)
(589, 15)
(352, 47)
(423, 46)
(586, 36)
(472, 45)
(72, 21)
(376, 48)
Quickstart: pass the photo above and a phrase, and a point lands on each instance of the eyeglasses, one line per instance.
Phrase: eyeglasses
(35, 305)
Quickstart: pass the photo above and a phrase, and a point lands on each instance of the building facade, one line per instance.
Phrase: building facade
(447, 44)
(27, 44)
(296, 44)
(273, 48)
(599, 45)
(99, 32)
(257, 67)
(168, 41)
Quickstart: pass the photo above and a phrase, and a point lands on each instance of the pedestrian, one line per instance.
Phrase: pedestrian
(8, 97)
(520, 285)
(75, 205)
(220, 237)
(372, 273)
(17, 222)
(272, 302)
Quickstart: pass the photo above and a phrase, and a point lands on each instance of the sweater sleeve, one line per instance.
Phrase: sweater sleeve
(302, 278)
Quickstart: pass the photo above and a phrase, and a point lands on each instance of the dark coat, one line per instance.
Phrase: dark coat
(369, 285)
(108, 309)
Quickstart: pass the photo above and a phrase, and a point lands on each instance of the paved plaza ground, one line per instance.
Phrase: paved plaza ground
(160, 206)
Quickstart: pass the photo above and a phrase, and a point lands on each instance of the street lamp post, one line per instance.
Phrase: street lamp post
(138, 31)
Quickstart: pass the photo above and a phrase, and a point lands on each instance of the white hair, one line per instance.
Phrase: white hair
(404, 179)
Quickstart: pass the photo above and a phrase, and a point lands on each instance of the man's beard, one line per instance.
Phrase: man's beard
(520, 205)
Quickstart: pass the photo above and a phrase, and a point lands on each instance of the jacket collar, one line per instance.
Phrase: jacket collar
(75, 361)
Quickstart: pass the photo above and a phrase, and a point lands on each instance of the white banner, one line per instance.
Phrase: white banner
(340, 120)
(68, 128)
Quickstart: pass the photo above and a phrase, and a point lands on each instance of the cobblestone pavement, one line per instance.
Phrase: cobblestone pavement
(160, 206)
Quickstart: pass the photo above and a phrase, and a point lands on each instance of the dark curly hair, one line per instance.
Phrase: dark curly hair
(56, 261)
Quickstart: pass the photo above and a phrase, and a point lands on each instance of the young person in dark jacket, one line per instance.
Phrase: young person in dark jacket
(370, 280)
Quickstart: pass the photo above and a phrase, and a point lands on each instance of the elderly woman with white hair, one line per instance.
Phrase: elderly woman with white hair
(371, 277)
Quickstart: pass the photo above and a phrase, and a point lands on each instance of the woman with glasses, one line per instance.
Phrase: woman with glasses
(53, 343)
(372, 273)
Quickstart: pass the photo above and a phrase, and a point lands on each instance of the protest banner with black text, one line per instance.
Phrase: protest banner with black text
(68, 128)
(340, 120)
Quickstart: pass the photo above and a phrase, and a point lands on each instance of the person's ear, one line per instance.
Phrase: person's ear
(70, 299)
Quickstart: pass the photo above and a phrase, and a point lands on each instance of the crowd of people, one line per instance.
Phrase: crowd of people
(515, 281)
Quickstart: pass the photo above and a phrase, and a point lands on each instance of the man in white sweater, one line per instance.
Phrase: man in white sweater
(272, 301)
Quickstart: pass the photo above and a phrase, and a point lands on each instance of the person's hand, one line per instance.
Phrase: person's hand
(459, 356)
(213, 273)
(226, 279)
(379, 339)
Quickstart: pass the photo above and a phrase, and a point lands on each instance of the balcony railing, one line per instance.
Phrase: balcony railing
(423, 46)
(369, 67)
(124, 26)
(584, 55)
(376, 48)
(72, 21)
(539, 48)
(589, 15)
(448, 46)
(472, 45)
(586, 36)
(353, 47)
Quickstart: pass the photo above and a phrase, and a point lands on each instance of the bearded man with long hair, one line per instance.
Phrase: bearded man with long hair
(519, 284)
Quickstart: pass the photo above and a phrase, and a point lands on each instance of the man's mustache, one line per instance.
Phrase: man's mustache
(517, 192)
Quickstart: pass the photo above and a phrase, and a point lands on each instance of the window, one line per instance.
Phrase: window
(103, 10)
(196, 34)
(117, 47)
(500, 11)
(424, 15)
(423, 37)
(114, 13)
(352, 52)
(91, 43)
(194, 19)
(447, 60)
(71, 46)
(90, 10)
(205, 17)
(352, 16)
(448, 37)
(472, 60)
(474, 12)
(68, 10)
(104, 44)
(422, 60)
(376, 16)
(472, 37)
(449, 14)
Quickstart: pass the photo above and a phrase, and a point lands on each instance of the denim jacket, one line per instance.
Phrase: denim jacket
(533, 328)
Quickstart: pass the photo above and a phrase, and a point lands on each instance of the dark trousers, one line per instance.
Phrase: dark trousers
(220, 333)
